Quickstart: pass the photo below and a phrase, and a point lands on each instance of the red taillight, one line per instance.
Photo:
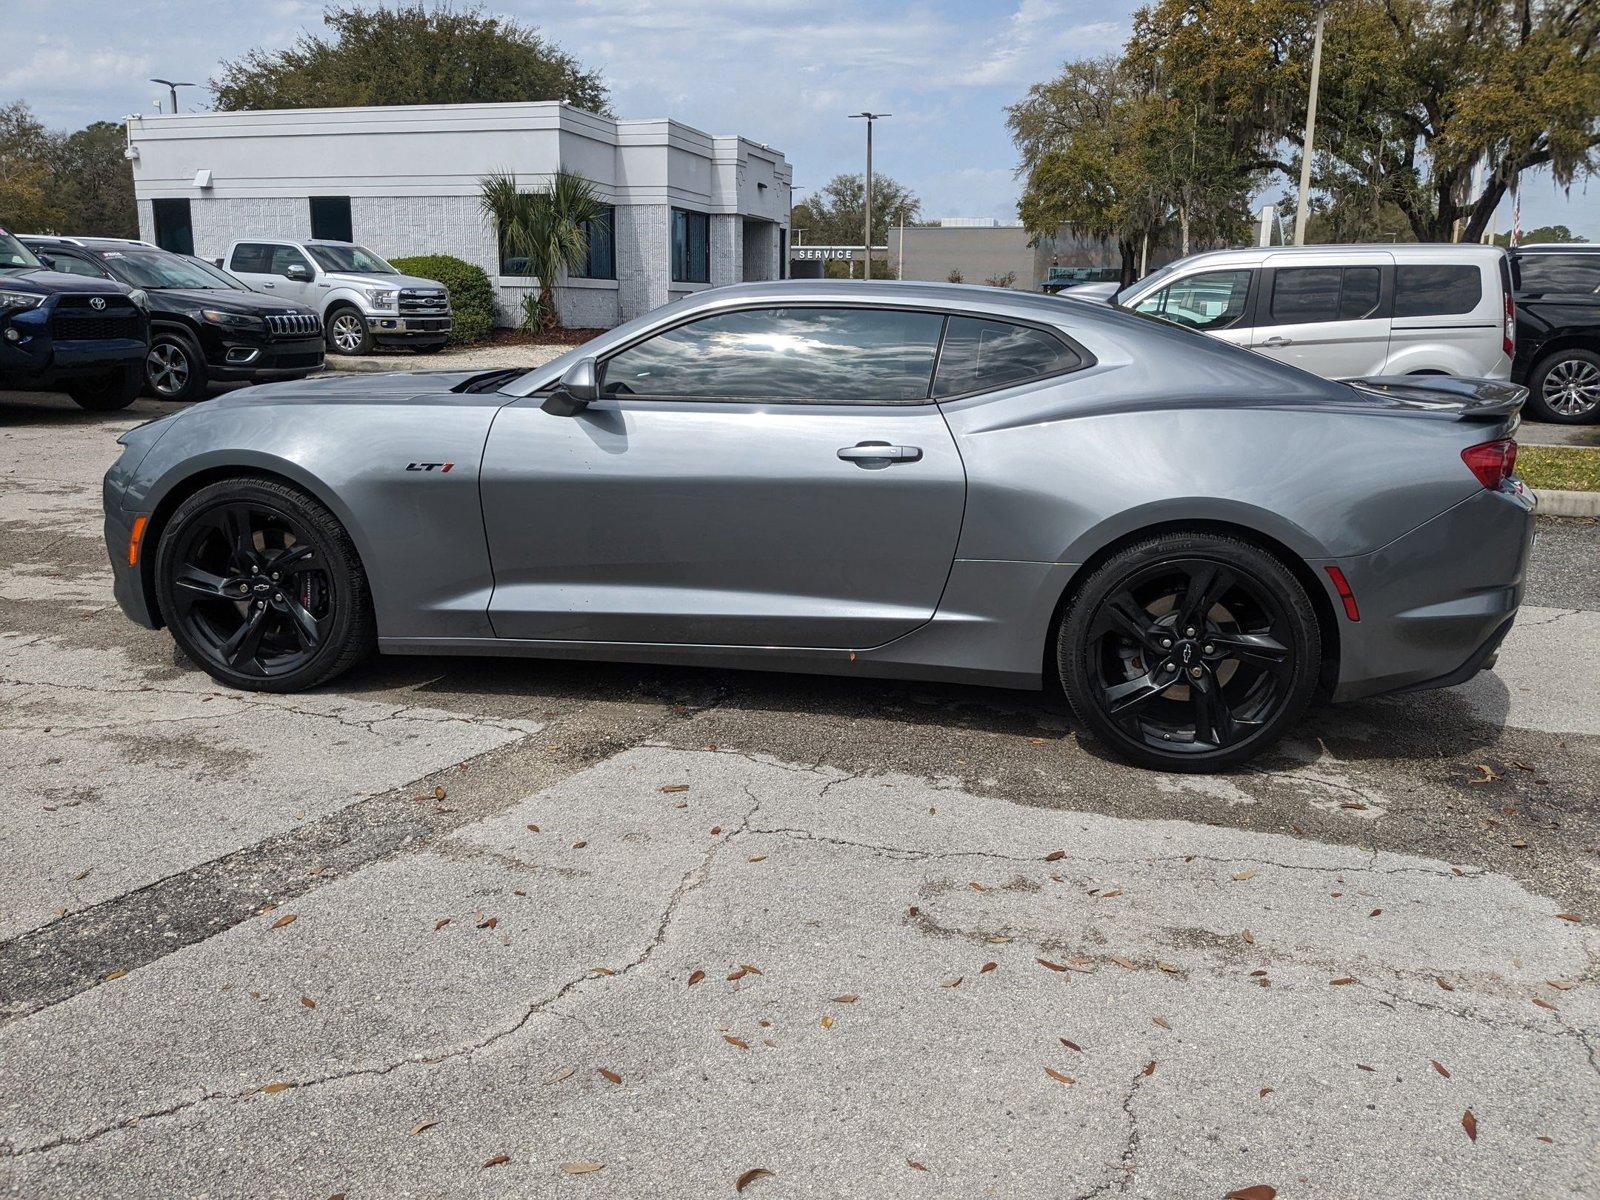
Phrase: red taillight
(1491, 462)
(1508, 335)
(1342, 586)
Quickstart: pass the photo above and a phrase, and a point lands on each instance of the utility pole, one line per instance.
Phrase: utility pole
(1303, 211)
(866, 248)
(172, 86)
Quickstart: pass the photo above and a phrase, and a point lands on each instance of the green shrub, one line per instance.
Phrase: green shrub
(471, 294)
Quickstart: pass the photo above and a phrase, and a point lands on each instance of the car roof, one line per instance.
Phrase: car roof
(1260, 255)
(1558, 248)
(891, 292)
(87, 243)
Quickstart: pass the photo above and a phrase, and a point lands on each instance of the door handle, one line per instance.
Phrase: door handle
(269, 285)
(1275, 340)
(879, 454)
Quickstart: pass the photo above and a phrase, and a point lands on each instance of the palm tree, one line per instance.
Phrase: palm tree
(546, 228)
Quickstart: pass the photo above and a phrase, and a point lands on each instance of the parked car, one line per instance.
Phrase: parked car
(1343, 311)
(205, 327)
(1062, 278)
(87, 337)
(861, 478)
(363, 300)
(1558, 330)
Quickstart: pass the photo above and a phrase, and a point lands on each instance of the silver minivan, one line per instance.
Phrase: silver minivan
(1346, 311)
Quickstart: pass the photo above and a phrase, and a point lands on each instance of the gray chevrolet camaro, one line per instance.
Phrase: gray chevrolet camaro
(921, 481)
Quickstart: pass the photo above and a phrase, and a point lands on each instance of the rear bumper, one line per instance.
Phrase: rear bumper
(1436, 603)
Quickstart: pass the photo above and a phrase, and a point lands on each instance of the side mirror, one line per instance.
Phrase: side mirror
(47, 261)
(576, 389)
(296, 272)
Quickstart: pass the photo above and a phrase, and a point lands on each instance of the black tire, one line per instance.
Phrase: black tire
(229, 536)
(347, 325)
(174, 368)
(428, 349)
(1190, 702)
(109, 392)
(1564, 388)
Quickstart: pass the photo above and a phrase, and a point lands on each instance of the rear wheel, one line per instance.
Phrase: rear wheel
(1565, 388)
(115, 389)
(262, 587)
(347, 332)
(1190, 652)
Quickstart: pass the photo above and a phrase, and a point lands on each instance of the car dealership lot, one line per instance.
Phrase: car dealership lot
(433, 931)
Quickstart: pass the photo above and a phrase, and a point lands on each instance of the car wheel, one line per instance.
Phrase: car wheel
(262, 587)
(347, 332)
(1190, 652)
(1565, 388)
(174, 369)
(108, 392)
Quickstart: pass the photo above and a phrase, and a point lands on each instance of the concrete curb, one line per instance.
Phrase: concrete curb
(1568, 504)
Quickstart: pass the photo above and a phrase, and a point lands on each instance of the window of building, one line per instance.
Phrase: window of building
(1436, 291)
(330, 219)
(1211, 300)
(691, 246)
(601, 260)
(1305, 295)
(794, 354)
(174, 231)
(993, 354)
(1563, 274)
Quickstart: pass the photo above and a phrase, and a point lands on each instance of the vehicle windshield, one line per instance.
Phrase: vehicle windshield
(14, 256)
(1121, 297)
(356, 260)
(157, 270)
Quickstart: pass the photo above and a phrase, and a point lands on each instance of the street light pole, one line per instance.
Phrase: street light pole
(172, 89)
(1304, 209)
(866, 248)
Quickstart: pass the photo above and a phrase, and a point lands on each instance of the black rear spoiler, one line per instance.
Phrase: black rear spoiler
(1466, 399)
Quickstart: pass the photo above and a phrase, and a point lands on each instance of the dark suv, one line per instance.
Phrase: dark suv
(205, 326)
(1557, 289)
(87, 337)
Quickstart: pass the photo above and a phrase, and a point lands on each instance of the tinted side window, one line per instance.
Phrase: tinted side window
(71, 264)
(1213, 300)
(1569, 274)
(252, 258)
(1302, 294)
(1359, 293)
(990, 354)
(799, 354)
(1436, 291)
(284, 257)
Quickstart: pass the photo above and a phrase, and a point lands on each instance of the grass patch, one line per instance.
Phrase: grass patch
(1560, 468)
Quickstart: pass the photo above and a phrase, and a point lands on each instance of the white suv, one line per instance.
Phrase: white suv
(1345, 311)
(362, 299)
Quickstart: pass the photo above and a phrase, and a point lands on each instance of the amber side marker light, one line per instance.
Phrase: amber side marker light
(1342, 586)
(135, 538)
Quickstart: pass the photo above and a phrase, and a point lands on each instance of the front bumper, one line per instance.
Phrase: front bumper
(1436, 603)
(409, 329)
(258, 362)
(127, 583)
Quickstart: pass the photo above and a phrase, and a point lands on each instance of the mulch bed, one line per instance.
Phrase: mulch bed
(556, 337)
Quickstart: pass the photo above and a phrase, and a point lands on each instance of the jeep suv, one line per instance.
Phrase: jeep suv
(86, 337)
(1558, 331)
(205, 326)
(363, 300)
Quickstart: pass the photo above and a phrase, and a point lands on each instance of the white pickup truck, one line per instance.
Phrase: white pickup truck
(363, 300)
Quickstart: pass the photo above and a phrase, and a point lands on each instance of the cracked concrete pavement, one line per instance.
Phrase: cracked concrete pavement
(470, 928)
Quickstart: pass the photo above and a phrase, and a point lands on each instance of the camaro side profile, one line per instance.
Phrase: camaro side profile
(925, 481)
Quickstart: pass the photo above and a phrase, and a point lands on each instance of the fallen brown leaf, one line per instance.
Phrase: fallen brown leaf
(976, 886)
(423, 1126)
(1169, 968)
(272, 1089)
(1543, 1003)
(695, 977)
(563, 1074)
(1161, 1021)
(286, 920)
(1122, 962)
(1440, 1067)
(987, 967)
(1470, 1124)
(757, 858)
(1071, 1045)
(1059, 1077)
(1548, 1141)
(1256, 1191)
(609, 1075)
(1051, 966)
(308, 1001)
(1111, 893)
(952, 983)
(440, 924)
(1241, 876)
(488, 922)
(1149, 1068)
(826, 1022)
(1561, 985)
(1573, 917)
(582, 1168)
(117, 974)
(914, 1165)
(847, 998)
(675, 787)
(579, 845)
(1341, 982)
(533, 829)
(1489, 774)
(734, 1041)
(1248, 938)
(1449, 987)
(1374, 912)
(1055, 856)
(1263, 1093)
(751, 968)
(1364, 1067)
(716, 829)
(439, 793)
(750, 1176)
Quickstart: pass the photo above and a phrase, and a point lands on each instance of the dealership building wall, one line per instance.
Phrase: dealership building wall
(409, 177)
(982, 252)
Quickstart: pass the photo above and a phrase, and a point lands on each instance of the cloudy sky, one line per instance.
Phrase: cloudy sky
(784, 72)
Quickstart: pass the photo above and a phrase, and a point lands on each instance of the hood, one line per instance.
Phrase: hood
(53, 282)
(227, 300)
(363, 387)
(350, 279)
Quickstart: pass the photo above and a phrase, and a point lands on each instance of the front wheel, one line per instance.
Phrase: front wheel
(1565, 388)
(1190, 652)
(109, 392)
(175, 369)
(347, 332)
(262, 587)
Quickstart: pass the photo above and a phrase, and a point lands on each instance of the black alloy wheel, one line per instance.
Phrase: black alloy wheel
(1190, 653)
(261, 586)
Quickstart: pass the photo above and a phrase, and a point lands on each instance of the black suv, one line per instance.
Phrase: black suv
(87, 337)
(205, 326)
(1557, 289)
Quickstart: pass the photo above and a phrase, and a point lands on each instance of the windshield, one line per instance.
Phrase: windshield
(356, 260)
(14, 256)
(1122, 296)
(157, 270)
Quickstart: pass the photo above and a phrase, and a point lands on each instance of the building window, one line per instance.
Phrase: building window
(601, 262)
(691, 247)
(174, 230)
(330, 219)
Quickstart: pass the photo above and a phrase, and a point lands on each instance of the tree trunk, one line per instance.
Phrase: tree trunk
(548, 317)
(1128, 252)
(1183, 224)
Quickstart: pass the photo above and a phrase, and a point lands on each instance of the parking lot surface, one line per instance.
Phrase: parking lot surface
(477, 928)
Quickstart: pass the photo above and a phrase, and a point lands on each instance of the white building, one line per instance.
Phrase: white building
(686, 210)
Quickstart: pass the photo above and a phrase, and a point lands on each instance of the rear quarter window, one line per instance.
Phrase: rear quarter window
(1563, 274)
(982, 355)
(1436, 290)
